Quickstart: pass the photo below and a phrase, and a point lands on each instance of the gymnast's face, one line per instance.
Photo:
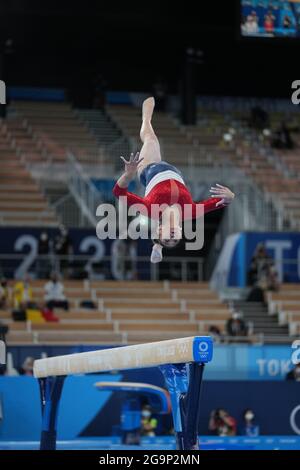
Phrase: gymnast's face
(169, 236)
(169, 228)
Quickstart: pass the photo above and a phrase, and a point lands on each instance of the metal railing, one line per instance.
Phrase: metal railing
(255, 339)
(83, 190)
(97, 267)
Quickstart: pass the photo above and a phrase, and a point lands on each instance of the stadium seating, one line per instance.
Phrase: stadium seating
(21, 199)
(287, 304)
(58, 130)
(126, 312)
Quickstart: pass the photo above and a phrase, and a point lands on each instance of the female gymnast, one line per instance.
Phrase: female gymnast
(164, 186)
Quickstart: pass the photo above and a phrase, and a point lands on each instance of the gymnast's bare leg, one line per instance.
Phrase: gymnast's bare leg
(150, 152)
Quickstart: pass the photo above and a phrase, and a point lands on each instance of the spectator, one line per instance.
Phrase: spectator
(272, 278)
(262, 275)
(221, 423)
(236, 326)
(22, 294)
(63, 248)
(249, 429)
(259, 118)
(269, 22)
(4, 294)
(287, 22)
(215, 332)
(294, 374)
(148, 423)
(43, 251)
(27, 366)
(54, 296)
(282, 138)
(251, 24)
(259, 263)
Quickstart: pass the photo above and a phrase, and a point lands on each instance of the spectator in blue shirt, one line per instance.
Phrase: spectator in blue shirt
(249, 429)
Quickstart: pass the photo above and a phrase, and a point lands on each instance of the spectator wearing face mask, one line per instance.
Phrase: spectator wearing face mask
(249, 429)
(148, 423)
(27, 366)
(55, 297)
(294, 374)
(236, 326)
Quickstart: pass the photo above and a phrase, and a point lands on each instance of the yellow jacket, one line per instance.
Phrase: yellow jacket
(21, 294)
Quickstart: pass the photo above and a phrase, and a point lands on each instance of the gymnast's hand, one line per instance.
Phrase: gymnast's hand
(132, 165)
(224, 193)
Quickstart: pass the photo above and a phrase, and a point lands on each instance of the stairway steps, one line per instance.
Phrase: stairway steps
(257, 314)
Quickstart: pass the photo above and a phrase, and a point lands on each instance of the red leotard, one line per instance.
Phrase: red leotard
(168, 192)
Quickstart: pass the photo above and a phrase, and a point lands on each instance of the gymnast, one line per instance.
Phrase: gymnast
(164, 186)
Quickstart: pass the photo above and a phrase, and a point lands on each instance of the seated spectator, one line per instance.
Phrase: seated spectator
(148, 423)
(259, 118)
(282, 138)
(262, 275)
(4, 294)
(55, 297)
(272, 278)
(27, 366)
(221, 423)
(236, 326)
(249, 429)
(259, 265)
(22, 294)
(294, 374)
(215, 333)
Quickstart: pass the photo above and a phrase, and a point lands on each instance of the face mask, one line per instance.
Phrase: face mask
(249, 416)
(146, 414)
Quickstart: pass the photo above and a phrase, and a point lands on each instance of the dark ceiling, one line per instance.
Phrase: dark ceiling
(131, 44)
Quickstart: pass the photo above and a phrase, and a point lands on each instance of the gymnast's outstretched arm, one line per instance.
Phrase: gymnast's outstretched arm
(120, 188)
(130, 170)
(221, 197)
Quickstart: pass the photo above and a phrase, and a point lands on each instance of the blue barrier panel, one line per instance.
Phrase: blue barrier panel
(36, 94)
(165, 443)
(84, 412)
(283, 247)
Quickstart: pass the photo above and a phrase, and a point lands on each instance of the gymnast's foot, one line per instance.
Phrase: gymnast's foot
(148, 107)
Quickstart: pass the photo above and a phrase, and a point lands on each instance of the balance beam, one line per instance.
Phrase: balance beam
(174, 351)
(180, 360)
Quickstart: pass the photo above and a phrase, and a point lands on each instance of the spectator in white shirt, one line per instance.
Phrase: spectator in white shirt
(54, 296)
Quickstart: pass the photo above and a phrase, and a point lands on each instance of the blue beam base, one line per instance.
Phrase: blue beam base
(50, 391)
(184, 384)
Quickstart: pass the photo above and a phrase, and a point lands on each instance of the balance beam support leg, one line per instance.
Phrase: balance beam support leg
(50, 391)
(184, 384)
